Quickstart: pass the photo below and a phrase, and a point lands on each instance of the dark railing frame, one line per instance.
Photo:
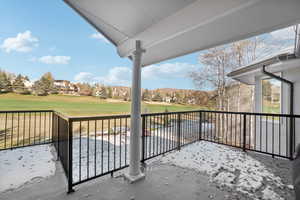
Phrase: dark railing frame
(19, 118)
(202, 116)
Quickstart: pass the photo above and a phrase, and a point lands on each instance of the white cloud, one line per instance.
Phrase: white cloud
(23, 42)
(64, 60)
(122, 75)
(84, 77)
(284, 34)
(116, 76)
(99, 36)
(167, 70)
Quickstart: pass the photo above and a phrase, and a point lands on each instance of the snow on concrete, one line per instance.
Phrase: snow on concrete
(269, 194)
(230, 168)
(23, 165)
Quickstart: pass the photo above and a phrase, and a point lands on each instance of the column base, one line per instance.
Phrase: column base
(133, 179)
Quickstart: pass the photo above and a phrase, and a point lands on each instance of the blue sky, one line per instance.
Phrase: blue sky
(41, 36)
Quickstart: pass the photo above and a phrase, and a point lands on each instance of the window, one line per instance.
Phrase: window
(271, 93)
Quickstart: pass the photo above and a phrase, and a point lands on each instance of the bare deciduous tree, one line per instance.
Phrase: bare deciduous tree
(216, 64)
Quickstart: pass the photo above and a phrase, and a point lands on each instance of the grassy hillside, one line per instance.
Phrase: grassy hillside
(79, 105)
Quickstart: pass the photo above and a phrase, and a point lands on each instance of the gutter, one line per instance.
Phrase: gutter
(297, 42)
(291, 85)
(269, 61)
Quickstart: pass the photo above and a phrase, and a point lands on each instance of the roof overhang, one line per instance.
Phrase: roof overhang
(172, 28)
(274, 65)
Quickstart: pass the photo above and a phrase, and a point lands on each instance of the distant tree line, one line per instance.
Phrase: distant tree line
(47, 85)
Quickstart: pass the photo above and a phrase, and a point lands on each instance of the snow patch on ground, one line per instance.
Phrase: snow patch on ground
(22, 165)
(269, 194)
(229, 168)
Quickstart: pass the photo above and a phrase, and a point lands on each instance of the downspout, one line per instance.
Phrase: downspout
(297, 42)
(291, 85)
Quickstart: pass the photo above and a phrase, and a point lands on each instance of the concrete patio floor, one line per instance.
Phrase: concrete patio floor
(164, 180)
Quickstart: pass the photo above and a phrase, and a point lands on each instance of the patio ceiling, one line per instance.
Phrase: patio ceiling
(172, 28)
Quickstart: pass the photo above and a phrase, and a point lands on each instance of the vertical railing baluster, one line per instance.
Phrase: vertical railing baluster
(286, 137)
(80, 137)
(24, 127)
(88, 149)
(40, 132)
(70, 156)
(126, 141)
(143, 138)
(29, 130)
(102, 148)
(44, 127)
(255, 132)
(244, 131)
(273, 136)
(200, 125)
(291, 130)
(108, 146)
(267, 133)
(18, 129)
(260, 134)
(120, 134)
(12, 130)
(95, 148)
(115, 143)
(279, 131)
(250, 132)
(178, 131)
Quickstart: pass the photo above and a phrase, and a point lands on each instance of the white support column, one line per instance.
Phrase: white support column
(134, 173)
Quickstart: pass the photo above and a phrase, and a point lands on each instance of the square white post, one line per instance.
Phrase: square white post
(134, 172)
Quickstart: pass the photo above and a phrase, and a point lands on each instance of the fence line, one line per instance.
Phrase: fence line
(25, 128)
(91, 147)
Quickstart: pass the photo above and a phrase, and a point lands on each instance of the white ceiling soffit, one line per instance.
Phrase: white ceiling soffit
(172, 28)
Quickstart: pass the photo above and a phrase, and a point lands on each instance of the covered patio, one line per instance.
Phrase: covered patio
(202, 170)
(148, 32)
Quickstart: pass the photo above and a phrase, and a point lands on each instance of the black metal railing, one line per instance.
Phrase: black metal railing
(62, 141)
(25, 128)
(164, 132)
(100, 146)
(91, 147)
(271, 134)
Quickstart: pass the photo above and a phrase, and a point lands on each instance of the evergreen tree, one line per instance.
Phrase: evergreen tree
(103, 93)
(45, 85)
(18, 85)
(85, 89)
(157, 97)
(5, 83)
(109, 92)
(126, 96)
(146, 96)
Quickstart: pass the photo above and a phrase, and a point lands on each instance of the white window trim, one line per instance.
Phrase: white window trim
(261, 95)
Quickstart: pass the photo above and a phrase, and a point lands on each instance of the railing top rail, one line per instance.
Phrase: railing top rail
(179, 112)
(62, 115)
(74, 119)
(24, 111)
(103, 117)
(253, 113)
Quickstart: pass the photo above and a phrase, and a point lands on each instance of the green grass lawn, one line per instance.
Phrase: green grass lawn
(79, 105)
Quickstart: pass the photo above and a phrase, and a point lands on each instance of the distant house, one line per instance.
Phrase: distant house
(61, 84)
(168, 99)
(28, 84)
(66, 87)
